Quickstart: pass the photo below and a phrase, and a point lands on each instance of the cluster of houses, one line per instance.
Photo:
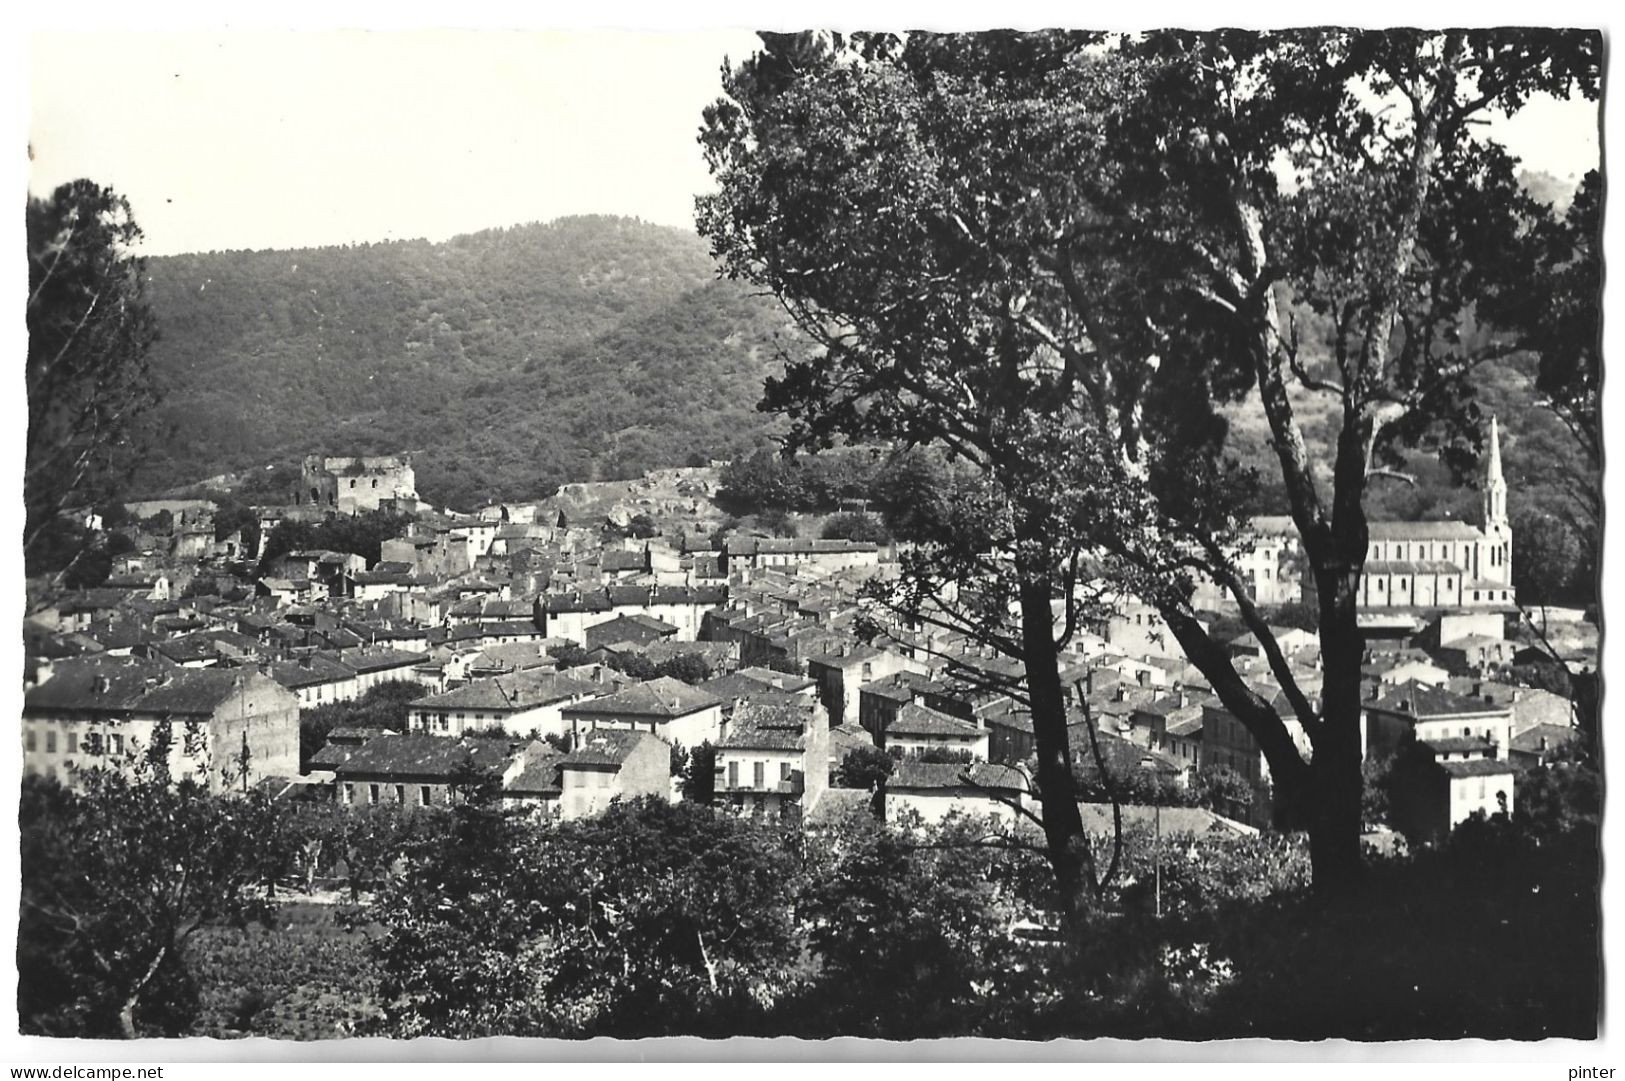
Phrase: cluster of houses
(576, 665)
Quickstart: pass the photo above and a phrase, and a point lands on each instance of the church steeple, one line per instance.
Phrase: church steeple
(1495, 486)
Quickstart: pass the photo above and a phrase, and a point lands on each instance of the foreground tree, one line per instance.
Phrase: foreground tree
(89, 330)
(651, 918)
(1057, 256)
(115, 879)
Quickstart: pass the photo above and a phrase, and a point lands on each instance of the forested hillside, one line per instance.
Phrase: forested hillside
(508, 361)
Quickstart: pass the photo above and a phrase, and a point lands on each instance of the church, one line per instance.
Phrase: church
(1413, 566)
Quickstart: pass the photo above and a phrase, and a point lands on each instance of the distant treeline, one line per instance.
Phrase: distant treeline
(508, 361)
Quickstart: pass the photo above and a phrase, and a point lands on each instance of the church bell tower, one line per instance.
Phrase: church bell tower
(1497, 529)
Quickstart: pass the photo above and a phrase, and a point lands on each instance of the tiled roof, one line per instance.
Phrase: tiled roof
(620, 559)
(515, 691)
(1478, 767)
(380, 658)
(1555, 735)
(608, 597)
(844, 738)
(423, 756)
(1186, 728)
(1400, 531)
(713, 652)
(637, 628)
(915, 719)
(850, 658)
(1175, 821)
(321, 669)
(538, 772)
(664, 697)
(142, 687)
(737, 545)
(606, 747)
(913, 774)
(1422, 701)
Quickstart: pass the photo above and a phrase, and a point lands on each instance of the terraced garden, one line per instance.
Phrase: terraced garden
(308, 978)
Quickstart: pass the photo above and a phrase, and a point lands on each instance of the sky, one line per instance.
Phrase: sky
(276, 140)
(279, 139)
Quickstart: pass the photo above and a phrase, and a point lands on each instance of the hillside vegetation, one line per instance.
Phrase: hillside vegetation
(508, 361)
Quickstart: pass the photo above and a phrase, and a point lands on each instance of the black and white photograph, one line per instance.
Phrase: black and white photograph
(892, 534)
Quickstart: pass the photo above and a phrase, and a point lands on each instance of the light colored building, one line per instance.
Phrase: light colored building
(842, 673)
(414, 770)
(664, 707)
(1439, 565)
(935, 790)
(520, 703)
(917, 729)
(608, 764)
(228, 727)
(1415, 711)
(774, 762)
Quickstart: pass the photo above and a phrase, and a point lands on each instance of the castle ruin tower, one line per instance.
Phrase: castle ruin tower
(1497, 528)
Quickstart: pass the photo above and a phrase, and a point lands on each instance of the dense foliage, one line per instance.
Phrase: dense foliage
(358, 534)
(382, 706)
(509, 361)
(116, 879)
(90, 329)
(1071, 259)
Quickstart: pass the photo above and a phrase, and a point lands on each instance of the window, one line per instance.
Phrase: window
(28, 739)
(375, 482)
(733, 774)
(352, 482)
(1475, 594)
(444, 723)
(400, 794)
(73, 741)
(1379, 585)
(426, 796)
(784, 771)
(372, 793)
(758, 774)
(349, 793)
(118, 743)
(50, 743)
(1466, 733)
(759, 806)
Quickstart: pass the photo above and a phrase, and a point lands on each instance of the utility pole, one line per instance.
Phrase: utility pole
(1147, 762)
(1157, 856)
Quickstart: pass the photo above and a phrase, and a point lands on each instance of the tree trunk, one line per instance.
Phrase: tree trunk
(126, 1013)
(1063, 824)
(1336, 782)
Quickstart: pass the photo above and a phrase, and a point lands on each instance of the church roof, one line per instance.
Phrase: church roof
(1385, 531)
